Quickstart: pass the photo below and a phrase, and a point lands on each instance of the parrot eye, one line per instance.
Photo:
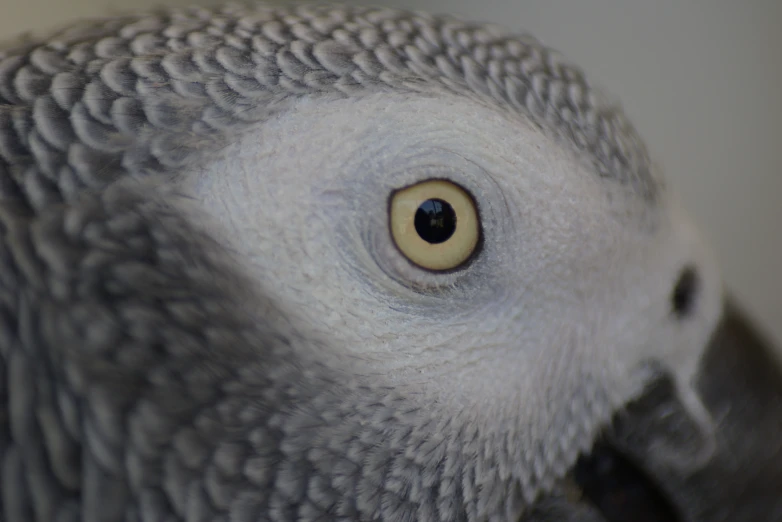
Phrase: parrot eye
(435, 224)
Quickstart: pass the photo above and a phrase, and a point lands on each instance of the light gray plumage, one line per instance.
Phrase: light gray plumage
(203, 317)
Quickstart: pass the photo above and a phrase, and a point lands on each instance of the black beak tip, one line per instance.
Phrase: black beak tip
(624, 478)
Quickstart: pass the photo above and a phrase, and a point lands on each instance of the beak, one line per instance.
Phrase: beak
(629, 475)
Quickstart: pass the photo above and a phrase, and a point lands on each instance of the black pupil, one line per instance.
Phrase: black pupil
(435, 221)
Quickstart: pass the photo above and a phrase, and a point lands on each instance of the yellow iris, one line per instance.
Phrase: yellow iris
(435, 224)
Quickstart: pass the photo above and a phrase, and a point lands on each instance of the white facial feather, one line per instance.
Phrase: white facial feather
(572, 288)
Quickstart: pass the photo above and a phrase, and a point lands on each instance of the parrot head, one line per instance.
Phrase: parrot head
(337, 263)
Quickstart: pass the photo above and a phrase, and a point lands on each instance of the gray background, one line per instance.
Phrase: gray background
(700, 79)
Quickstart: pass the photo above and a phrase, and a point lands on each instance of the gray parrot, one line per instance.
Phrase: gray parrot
(265, 263)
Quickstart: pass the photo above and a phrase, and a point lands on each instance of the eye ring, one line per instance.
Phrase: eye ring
(435, 225)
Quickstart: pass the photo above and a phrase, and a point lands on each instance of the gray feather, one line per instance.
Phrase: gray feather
(134, 383)
(140, 390)
(156, 93)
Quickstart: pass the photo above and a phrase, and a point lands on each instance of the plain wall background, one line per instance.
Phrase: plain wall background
(700, 79)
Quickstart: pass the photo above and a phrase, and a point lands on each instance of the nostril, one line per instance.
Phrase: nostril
(685, 292)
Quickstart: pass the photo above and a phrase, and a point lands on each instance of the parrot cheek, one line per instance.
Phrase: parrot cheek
(630, 475)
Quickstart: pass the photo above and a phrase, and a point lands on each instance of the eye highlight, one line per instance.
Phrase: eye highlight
(434, 224)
